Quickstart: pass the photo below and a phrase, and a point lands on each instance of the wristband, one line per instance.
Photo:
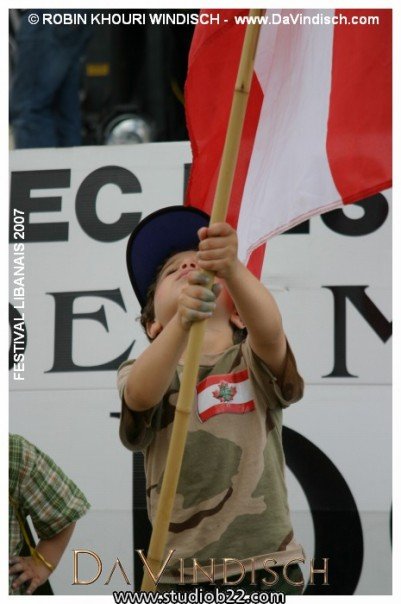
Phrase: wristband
(41, 558)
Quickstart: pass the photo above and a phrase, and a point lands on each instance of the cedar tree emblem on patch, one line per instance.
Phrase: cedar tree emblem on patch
(225, 392)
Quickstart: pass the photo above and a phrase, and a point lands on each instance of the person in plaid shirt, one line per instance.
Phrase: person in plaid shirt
(38, 488)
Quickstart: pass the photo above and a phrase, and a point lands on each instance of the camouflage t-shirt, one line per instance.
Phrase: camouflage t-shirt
(231, 498)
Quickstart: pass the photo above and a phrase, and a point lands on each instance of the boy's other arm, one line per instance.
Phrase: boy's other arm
(153, 370)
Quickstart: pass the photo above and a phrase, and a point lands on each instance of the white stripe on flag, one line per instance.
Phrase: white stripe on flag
(289, 174)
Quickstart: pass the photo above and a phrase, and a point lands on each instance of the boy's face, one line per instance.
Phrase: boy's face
(171, 280)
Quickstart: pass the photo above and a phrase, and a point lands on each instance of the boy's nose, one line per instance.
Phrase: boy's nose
(188, 263)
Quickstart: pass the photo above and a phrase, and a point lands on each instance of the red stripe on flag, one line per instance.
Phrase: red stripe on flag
(231, 378)
(211, 76)
(359, 124)
(255, 262)
(207, 122)
(227, 408)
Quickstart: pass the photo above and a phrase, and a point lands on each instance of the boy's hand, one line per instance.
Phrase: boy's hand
(196, 302)
(218, 249)
(29, 570)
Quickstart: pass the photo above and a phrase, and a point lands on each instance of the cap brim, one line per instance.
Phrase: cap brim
(159, 235)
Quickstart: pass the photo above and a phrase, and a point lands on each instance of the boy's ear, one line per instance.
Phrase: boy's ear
(153, 328)
(236, 319)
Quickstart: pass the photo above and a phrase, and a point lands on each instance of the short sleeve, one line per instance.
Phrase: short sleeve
(45, 493)
(136, 431)
(277, 393)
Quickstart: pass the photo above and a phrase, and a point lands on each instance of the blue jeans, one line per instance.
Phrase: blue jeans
(44, 104)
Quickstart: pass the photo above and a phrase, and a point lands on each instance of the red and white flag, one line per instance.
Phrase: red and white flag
(225, 393)
(317, 132)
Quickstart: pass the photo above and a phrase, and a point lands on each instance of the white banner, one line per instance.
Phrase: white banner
(332, 280)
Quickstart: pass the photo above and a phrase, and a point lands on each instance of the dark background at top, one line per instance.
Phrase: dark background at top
(130, 68)
(147, 71)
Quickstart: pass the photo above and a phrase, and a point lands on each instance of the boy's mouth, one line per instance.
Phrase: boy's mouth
(183, 273)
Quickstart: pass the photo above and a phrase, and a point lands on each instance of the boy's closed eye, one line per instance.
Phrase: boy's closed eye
(168, 270)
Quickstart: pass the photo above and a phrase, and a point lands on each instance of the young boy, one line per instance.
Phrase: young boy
(231, 499)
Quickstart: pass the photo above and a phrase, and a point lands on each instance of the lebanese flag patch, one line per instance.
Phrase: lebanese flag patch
(224, 393)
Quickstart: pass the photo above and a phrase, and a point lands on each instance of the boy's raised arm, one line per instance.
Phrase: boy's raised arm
(259, 311)
(254, 303)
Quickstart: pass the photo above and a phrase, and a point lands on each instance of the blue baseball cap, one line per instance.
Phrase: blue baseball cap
(158, 236)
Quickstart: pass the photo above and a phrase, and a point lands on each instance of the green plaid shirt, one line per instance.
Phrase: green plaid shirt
(42, 491)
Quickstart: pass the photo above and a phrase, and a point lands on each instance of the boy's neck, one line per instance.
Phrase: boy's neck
(218, 337)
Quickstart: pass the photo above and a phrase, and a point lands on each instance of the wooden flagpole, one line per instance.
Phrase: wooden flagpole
(192, 356)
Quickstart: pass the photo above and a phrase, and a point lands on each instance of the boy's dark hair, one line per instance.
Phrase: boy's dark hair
(148, 312)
